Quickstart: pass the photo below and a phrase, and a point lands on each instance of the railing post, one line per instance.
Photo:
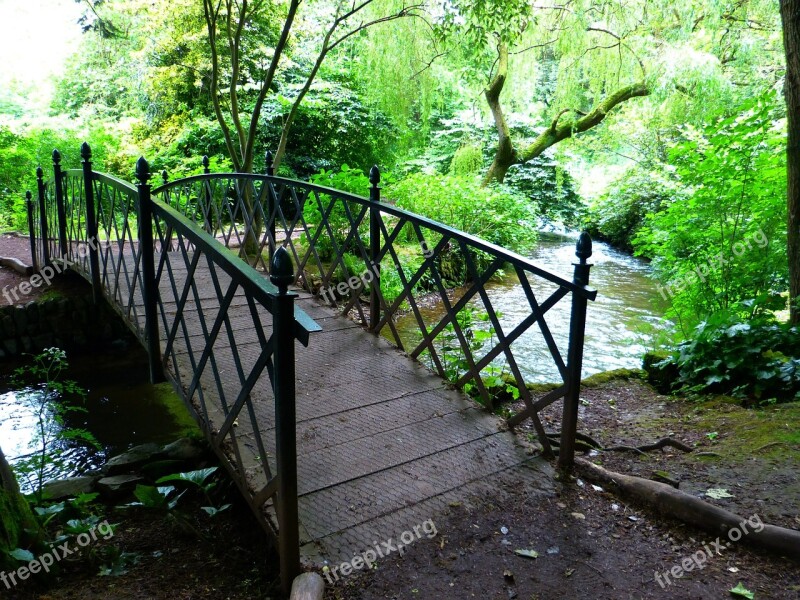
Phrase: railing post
(282, 275)
(144, 213)
(91, 223)
(31, 232)
(60, 207)
(374, 247)
(577, 329)
(206, 208)
(43, 217)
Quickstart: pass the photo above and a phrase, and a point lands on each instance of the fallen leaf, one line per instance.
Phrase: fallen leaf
(526, 553)
(742, 591)
(718, 493)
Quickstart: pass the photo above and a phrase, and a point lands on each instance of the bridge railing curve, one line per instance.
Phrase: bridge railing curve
(353, 252)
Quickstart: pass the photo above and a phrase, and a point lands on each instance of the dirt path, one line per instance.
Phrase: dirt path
(13, 245)
(592, 545)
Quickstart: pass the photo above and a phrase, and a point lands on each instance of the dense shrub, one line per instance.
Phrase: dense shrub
(723, 240)
(756, 359)
(619, 213)
(22, 151)
(496, 213)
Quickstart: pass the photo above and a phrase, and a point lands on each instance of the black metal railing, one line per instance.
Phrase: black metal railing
(347, 247)
(175, 284)
(171, 259)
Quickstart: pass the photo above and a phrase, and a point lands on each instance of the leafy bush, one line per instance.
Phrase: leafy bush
(758, 359)
(332, 128)
(618, 215)
(723, 241)
(346, 180)
(495, 213)
(22, 151)
(550, 187)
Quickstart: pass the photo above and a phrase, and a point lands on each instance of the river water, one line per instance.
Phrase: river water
(620, 324)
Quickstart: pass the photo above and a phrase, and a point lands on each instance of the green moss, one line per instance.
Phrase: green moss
(166, 395)
(16, 523)
(615, 375)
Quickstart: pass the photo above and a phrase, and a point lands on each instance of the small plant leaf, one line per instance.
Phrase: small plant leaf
(214, 511)
(21, 555)
(526, 553)
(742, 591)
(196, 477)
(718, 493)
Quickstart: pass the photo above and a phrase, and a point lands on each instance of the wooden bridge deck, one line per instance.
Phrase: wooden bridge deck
(383, 444)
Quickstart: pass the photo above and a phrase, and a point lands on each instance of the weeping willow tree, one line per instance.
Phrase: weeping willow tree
(250, 40)
(601, 56)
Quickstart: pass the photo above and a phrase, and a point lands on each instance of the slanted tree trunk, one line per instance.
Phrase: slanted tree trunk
(507, 155)
(790, 16)
(18, 526)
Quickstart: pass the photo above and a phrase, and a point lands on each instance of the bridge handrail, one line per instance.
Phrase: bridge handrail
(508, 256)
(110, 231)
(263, 291)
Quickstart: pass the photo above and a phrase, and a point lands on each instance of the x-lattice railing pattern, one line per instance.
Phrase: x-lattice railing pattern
(169, 259)
(174, 284)
(345, 245)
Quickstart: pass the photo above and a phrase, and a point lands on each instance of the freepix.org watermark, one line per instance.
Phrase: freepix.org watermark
(57, 553)
(698, 559)
(701, 271)
(45, 276)
(368, 557)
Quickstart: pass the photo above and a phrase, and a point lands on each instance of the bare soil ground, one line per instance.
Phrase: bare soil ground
(13, 245)
(591, 544)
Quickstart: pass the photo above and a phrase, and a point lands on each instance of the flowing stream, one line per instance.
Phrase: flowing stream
(620, 324)
(122, 409)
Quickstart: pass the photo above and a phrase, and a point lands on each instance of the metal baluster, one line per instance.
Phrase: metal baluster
(374, 247)
(282, 275)
(577, 329)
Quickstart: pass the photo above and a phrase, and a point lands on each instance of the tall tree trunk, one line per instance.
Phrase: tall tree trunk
(506, 155)
(790, 16)
(18, 526)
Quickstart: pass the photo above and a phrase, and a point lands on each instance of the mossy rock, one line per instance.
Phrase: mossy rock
(662, 377)
(18, 526)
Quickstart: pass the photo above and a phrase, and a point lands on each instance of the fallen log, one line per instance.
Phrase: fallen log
(672, 502)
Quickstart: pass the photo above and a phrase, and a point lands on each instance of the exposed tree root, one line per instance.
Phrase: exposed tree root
(585, 442)
(662, 443)
(672, 502)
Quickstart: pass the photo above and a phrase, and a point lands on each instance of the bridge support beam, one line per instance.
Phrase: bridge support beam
(58, 182)
(43, 233)
(31, 230)
(91, 223)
